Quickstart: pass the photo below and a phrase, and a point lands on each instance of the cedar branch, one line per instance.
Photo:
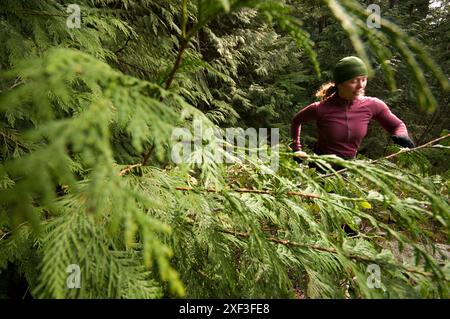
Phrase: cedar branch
(324, 249)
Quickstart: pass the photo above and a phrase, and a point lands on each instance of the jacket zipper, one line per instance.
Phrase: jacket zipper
(346, 119)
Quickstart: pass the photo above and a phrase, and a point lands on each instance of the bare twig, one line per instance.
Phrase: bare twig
(134, 66)
(124, 46)
(17, 82)
(41, 13)
(403, 150)
(144, 161)
(256, 191)
(128, 168)
(10, 232)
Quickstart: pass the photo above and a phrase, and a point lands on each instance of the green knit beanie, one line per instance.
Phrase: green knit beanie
(348, 68)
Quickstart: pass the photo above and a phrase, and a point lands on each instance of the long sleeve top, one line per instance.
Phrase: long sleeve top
(342, 124)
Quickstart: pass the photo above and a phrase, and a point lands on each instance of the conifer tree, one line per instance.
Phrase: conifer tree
(87, 177)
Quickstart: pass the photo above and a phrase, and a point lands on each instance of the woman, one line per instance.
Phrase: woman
(343, 114)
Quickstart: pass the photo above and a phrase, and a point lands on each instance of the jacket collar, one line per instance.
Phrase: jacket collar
(337, 100)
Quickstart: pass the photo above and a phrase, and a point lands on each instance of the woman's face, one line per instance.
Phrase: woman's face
(352, 88)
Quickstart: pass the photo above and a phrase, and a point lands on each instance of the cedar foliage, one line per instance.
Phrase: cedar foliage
(79, 106)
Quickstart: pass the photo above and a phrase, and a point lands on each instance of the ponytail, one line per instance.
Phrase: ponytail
(326, 90)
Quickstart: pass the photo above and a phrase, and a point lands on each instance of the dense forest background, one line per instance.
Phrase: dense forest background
(87, 178)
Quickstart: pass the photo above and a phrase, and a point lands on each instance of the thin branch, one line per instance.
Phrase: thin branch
(10, 232)
(184, 41)
(41, 13)
(168, 83)
(176, 66)
(147, 155)
(328, 250)
(124, 46)
(144, 161)
(183, 18)
(403, 150)
(256, 191)
(17, 82)
(12, 142)
(135, 66)
(128, 168)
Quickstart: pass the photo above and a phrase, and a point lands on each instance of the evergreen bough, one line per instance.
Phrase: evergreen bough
(86, 177)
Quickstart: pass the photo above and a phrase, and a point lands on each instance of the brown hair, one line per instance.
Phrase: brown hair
(326, 90)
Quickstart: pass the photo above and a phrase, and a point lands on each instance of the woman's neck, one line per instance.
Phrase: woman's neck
(349, 98)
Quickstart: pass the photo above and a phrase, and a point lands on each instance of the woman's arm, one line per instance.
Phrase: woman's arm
(391, 123)
(307, 114)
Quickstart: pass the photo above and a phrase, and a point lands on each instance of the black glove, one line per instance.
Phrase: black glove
(403, 141)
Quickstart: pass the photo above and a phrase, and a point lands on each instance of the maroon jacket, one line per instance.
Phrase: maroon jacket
(342, 124)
